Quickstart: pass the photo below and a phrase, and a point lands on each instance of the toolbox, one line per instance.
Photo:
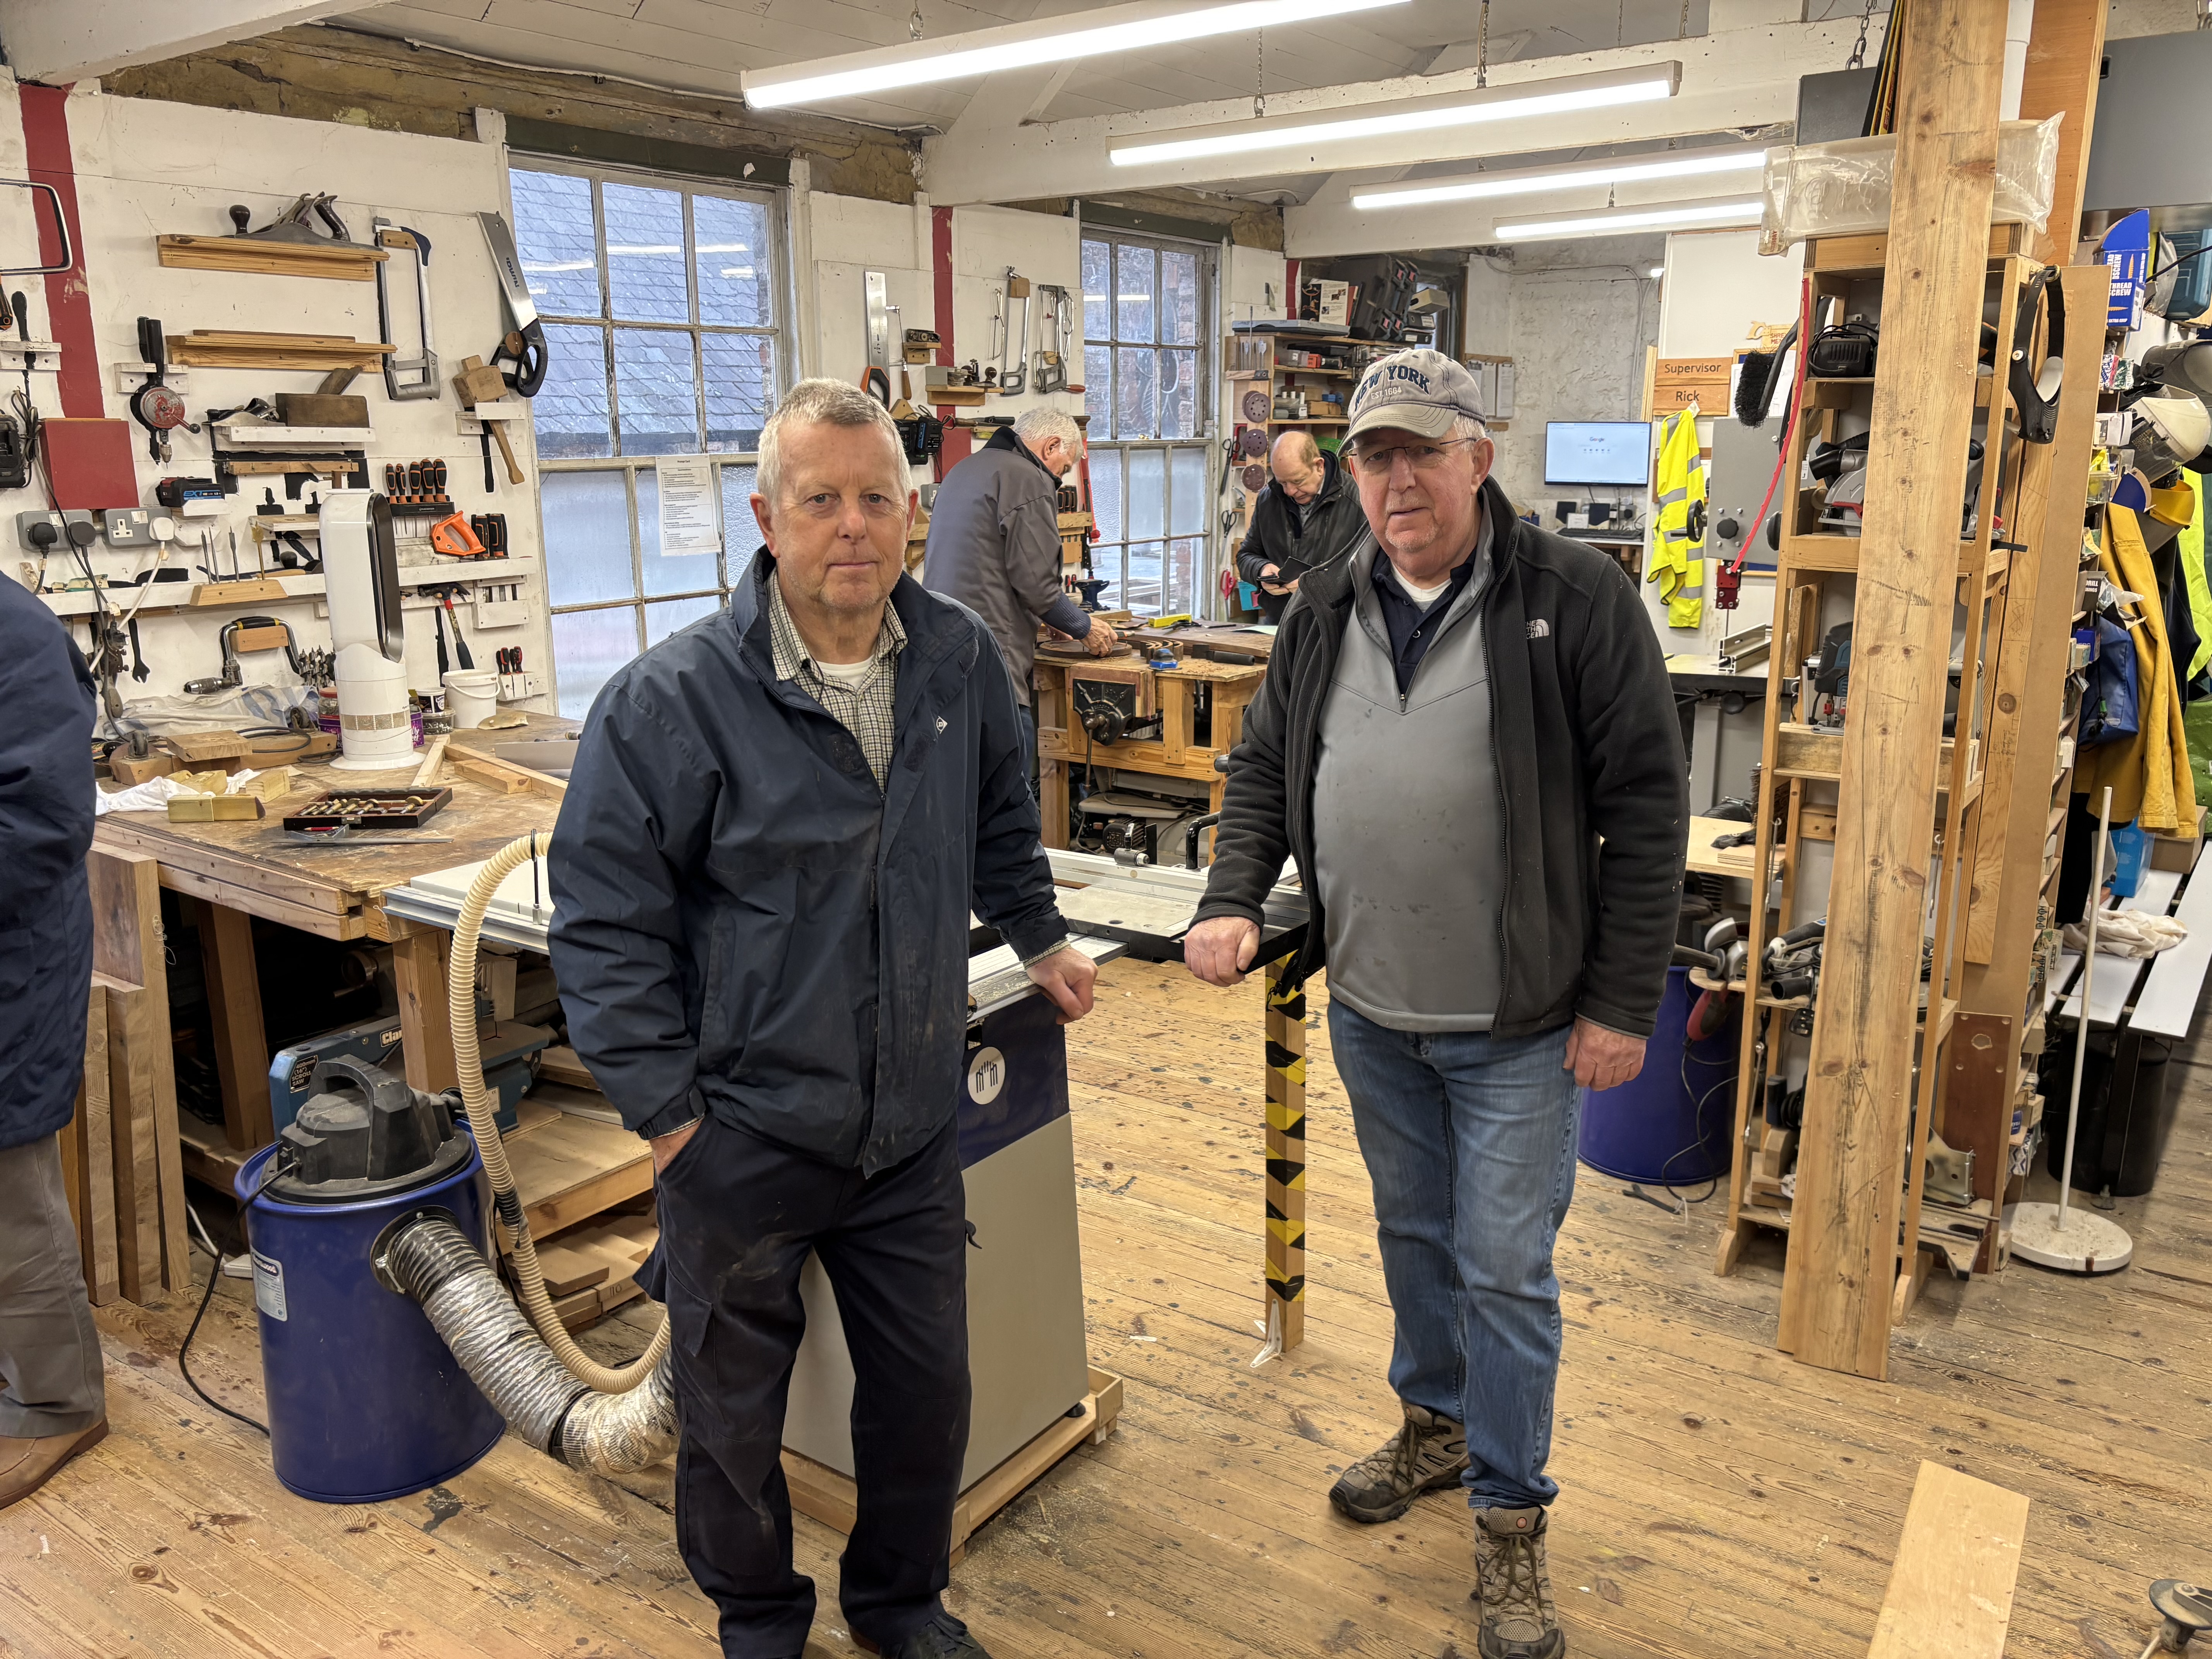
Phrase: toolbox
(370, 809)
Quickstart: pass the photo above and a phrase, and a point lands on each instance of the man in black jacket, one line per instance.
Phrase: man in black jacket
(778, 822)
(53, 1398)
(1467, 740)
(1306, 517)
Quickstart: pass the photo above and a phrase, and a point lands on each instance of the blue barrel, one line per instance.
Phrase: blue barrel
(365, 1402)
(1649, 1128)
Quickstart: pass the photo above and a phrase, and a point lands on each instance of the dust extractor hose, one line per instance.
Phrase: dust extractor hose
(434, 1262)
(530, 1279)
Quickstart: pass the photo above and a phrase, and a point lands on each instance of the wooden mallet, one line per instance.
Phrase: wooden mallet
(479, 383)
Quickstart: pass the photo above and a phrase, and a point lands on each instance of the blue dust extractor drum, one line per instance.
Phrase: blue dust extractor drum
(1650, 1128)
(365, 1401)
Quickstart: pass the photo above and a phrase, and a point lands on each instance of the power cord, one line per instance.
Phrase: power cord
(269, 1170)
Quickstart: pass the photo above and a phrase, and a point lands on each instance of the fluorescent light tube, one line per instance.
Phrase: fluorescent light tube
(1657, 272)
(1617, 170)
(1642, 85)
(1674, 216)
(1149, 23)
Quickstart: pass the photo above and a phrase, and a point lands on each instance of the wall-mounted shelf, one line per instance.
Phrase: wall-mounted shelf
(19, 355)
(256, 435)
(183, 596)
(259, 256)
(207, 347)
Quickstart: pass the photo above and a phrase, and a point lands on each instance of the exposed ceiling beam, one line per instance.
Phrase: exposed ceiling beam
(58, 42)
(1745, 78)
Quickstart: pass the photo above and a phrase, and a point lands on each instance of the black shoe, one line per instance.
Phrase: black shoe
(943, 1638)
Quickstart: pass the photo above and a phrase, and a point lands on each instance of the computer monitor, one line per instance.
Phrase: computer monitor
(1597, 453)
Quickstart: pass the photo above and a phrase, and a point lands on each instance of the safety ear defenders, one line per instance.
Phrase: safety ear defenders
(2035, 391)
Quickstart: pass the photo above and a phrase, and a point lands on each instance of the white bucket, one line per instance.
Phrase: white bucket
(472, 697)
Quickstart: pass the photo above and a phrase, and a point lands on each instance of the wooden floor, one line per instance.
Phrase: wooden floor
(1719, 1499)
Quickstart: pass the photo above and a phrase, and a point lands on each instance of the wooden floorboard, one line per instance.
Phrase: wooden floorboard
(1718, 1498)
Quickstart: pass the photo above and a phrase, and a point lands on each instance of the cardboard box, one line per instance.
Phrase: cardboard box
(2177, 852)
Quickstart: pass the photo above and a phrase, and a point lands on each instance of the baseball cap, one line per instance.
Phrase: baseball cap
(1420, 390)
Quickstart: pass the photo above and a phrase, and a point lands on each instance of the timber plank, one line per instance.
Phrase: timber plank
(1950, 1592)
(1840, 1276)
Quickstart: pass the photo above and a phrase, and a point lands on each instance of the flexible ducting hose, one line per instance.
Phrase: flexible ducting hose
(468, 1060)
(434, 1262)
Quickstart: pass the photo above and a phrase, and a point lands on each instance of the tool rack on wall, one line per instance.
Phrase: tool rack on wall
(1979, 864)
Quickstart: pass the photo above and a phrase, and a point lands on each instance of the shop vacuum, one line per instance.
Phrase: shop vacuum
(392, 1351)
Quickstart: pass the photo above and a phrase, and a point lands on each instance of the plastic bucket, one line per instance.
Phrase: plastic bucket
(1650, 1128)
(472, 697)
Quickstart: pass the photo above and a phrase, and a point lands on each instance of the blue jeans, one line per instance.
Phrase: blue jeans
(1470, 1143)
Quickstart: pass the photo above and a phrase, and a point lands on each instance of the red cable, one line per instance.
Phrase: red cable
(1789, 431)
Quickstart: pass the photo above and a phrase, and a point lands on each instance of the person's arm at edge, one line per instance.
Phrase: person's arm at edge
(619, 849)
(1638, 793)
(47, 787)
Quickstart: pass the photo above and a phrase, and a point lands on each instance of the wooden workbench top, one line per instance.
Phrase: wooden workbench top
(335, 891)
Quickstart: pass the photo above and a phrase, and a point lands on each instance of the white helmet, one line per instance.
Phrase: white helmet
(2180, 427)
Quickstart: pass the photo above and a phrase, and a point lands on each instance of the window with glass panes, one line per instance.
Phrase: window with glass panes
(1145, 307)
(661, 303)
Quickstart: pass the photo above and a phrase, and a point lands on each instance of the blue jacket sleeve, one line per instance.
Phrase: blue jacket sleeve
(1013, 883)
(46, 787)
(637, 818)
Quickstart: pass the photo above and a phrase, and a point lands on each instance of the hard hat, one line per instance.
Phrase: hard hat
(2180, 427)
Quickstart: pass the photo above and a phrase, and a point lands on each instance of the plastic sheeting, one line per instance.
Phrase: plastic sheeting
(1843, 188)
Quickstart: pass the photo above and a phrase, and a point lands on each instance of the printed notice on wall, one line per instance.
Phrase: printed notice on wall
(691, 507)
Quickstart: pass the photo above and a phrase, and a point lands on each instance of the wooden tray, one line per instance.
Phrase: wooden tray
(370, 809)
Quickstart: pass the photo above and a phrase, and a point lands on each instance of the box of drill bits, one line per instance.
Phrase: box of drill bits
(370, 809)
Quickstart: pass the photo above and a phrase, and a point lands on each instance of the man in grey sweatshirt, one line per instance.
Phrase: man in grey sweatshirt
(1468, 741)
(994, 546)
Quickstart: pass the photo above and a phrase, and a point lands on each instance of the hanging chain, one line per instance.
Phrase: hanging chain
(1682, 28)
(1482, 48)
(914, 23)
(1857, 58)
(1258, 73)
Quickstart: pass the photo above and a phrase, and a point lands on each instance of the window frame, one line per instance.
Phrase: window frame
(1116, 451)
(782, 332)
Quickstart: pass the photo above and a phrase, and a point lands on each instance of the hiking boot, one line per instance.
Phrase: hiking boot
(26, 1465)
(943, 1638)
(1513, 1582)
(1428, 1452)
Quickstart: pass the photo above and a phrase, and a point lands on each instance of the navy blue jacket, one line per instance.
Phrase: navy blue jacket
(46, 828)
(746, 925)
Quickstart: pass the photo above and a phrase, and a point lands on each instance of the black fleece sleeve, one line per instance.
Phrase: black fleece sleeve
(1637, 783)
(1253, 838)
(1252, 556)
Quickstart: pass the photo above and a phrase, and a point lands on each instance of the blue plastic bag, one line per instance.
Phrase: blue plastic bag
(2108, 703)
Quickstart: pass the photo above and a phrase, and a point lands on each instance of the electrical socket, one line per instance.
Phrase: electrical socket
(129, 526)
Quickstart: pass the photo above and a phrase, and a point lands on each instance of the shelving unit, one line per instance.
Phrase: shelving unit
(2005, 737)
(1276, 377)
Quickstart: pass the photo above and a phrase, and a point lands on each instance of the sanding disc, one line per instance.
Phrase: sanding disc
(1255, 404)
(1252, 443)
(1255, 478)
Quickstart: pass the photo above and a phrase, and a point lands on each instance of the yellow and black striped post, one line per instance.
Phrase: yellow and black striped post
(1285, 1306)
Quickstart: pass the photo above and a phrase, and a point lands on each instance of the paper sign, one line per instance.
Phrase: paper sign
(690, 506)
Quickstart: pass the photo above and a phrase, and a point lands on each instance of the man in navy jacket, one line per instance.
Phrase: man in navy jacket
(53, 1405)
(777, 826)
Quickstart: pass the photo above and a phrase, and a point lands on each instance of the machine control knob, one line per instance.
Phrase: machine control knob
(1728, 526)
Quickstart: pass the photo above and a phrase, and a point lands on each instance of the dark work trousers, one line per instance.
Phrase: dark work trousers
(737, 1216)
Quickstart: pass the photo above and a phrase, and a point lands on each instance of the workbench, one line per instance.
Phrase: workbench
(236, 871)
(1196, 731)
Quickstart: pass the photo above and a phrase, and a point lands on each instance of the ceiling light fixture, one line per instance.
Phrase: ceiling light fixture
(1147, 23)
(1657, 272)
(1644, 84)
(1670, 216)
(1613, 170)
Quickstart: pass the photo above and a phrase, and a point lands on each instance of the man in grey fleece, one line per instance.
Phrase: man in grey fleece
(1468, 741)
(994, 546)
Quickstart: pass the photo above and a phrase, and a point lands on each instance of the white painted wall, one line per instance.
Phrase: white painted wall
(146, 168)
(1578, 341)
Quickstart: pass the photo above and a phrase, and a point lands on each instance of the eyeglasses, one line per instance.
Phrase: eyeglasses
(1423, 458)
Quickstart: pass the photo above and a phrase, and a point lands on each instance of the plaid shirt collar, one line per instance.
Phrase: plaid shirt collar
(793, 662)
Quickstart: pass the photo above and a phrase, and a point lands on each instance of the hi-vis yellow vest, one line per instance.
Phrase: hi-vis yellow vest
(1678, 558)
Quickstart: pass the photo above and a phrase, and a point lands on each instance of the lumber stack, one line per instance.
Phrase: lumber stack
(121, 1158)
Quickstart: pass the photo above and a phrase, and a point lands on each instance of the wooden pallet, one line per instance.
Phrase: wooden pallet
(822, 1492)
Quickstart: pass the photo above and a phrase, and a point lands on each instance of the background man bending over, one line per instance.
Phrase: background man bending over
(1449, 727)
(778, 822)
(994, 546)
(1306, 517)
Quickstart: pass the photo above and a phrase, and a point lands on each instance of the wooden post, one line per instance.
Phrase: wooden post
(90, 1138)
(241, 1037)
(2066, 63)
(1842, 1266)
(1284, 1304)
(426, 1027)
